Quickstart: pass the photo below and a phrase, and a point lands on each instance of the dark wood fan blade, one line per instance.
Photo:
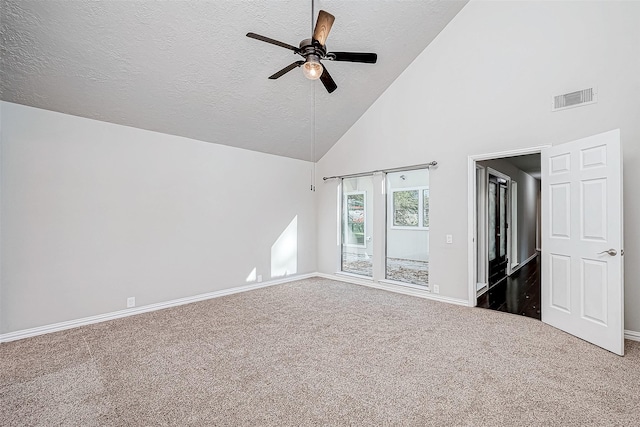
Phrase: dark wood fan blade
(286, 69)
(323, 26)
(368, 58)
(272, 41)
(327, 81)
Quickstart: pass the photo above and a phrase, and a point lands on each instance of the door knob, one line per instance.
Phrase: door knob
(611, 252)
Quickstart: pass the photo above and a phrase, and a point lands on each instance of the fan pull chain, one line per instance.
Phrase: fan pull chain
(313, 136)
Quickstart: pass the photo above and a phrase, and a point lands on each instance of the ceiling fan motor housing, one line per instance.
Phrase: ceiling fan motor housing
(312, 47)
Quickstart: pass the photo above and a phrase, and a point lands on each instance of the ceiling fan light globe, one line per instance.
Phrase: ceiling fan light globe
(312, 68)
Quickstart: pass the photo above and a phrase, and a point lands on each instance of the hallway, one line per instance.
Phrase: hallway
(517, 294)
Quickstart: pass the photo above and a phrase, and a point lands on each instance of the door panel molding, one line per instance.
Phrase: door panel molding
(584, 295)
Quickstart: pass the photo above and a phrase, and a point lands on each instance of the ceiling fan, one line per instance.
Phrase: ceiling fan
(314, 50)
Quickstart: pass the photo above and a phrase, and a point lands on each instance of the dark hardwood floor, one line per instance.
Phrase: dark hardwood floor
(518, 294)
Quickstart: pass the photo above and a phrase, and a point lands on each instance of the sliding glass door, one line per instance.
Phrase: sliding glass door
(385, 227)
(357, 223)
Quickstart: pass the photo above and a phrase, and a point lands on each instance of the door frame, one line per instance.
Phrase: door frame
(472, 203)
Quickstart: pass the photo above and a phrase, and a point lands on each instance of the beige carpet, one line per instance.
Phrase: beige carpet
(317, 352)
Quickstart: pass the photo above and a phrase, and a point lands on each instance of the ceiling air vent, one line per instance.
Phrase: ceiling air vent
(574, 99)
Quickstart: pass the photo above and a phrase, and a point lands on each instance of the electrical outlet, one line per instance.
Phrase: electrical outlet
(449, 238)
(259, 278)
(131, 302)
(436, 289)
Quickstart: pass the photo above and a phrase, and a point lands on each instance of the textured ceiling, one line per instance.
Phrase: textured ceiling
(186, 68)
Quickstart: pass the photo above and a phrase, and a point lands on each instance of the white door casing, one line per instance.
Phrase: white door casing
(582, 284)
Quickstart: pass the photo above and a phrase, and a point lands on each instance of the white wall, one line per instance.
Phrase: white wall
(93, 213)
(408, 244)
(484, 85)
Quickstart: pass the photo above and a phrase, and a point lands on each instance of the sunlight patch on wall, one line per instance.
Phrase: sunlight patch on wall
(284, 252)
(252, 276)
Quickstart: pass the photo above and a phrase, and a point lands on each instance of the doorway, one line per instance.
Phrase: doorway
(508, 266)
(580, 220)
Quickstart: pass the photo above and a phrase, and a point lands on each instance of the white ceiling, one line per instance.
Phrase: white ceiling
(186, 68)
(529, 163)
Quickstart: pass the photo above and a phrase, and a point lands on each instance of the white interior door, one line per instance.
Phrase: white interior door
(582, 248)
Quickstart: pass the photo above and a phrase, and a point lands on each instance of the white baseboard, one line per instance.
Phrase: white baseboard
(400, 289)
(55, 327)
(525, 262)
(632, 335)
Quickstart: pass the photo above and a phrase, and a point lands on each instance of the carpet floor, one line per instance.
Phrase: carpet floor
(317, 352)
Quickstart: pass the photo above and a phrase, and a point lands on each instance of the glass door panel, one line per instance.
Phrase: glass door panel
(407, 251)
(498, 204)
(503, 220)
(493, 196)
(357, 223)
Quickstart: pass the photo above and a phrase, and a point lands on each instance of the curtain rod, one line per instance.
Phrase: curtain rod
(406, 168)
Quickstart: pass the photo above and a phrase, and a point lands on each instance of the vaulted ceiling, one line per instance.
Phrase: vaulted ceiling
(186, 68)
